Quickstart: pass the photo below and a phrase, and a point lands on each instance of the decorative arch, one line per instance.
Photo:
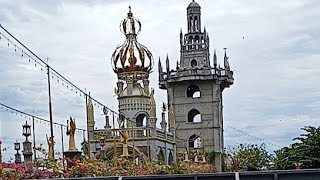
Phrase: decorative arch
(194, 116)
(193, 91)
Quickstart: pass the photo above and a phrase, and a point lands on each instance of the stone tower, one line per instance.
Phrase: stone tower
(194, 91)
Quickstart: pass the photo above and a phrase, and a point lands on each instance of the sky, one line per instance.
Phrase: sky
(272, 47)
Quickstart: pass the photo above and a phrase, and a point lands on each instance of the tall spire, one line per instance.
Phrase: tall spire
(215, 61)
(159, 65)
(226, 62)
(90, 111)
(167, 64)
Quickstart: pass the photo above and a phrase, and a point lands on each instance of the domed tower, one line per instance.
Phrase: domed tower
(195, 89)
(133, 62)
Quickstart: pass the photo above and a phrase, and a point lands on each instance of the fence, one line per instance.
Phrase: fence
(308, 174)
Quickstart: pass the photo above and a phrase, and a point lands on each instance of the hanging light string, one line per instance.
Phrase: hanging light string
(255, 137)
(43, 64)
(3, 106)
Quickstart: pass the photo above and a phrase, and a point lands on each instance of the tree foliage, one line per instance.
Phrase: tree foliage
(304, 153)
(248, 157)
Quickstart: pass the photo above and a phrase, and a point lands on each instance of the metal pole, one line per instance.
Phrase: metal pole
(114, 137)
(50, 112)
(62, 146)
(34, 141)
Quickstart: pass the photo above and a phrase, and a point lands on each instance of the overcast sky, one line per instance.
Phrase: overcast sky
(272, 47)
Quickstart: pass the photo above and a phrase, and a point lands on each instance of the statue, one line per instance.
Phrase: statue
(50, 142)
(172, 116)
(70, 132)
(124, 137)
(152, 104)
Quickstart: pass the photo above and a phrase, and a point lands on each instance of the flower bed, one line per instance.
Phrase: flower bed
(91, 168)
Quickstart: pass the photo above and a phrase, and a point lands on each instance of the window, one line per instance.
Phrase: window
(194, 116)
(193, 63)
(195, 141)
(141, 121)
(193, 91)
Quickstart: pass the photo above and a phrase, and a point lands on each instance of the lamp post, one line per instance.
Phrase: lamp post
(17, 155)
(27, 149)
(102, 151)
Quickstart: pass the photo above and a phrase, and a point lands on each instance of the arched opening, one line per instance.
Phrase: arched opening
(141, 121)
(196, 23)
(191, 24)
(170, 159)
(195, 142)
(197, 39)
(160, 156)
(122, 118)
(193, 63)
(193, 91)
(194, 116)
(190, 40)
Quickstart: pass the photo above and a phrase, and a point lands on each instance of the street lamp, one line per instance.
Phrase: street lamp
(27, 149)
(26, 130)
(17, 155)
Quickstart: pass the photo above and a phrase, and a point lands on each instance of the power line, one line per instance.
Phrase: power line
(42, 63)
(32, 116)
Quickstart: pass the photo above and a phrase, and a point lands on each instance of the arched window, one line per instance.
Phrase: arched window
(193, 91)
(190, 40)
(194, 116)
(195, 141)
(197, 38)
(193, 63)
(122, 118)
(141, 121)
(196, 23)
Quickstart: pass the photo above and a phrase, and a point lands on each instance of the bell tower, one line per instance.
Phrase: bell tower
(194, 91)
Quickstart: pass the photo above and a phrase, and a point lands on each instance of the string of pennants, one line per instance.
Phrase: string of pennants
(254, 137)
(37, 119)
(24, 52)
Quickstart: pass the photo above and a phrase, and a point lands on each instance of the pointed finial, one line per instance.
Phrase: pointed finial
(215, 58)
(129, 13)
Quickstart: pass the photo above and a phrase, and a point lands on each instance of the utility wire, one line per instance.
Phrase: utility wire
(36, 117)
(57, 73)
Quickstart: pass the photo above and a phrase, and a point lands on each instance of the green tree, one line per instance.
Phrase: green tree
(249, 157)
(305, 152)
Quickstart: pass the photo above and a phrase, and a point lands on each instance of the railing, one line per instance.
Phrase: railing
(133, 133)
